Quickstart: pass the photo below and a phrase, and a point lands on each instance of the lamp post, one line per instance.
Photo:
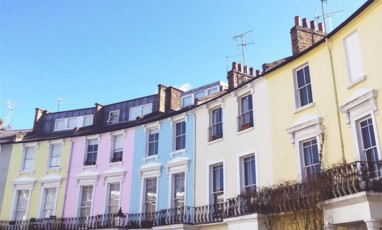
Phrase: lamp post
(119, 218)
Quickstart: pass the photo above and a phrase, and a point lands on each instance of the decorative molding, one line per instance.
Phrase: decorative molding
(306, 125)
(178, 164)
(151, 169)
(361, 101)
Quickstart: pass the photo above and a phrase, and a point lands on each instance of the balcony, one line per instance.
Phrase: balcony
(339, 181)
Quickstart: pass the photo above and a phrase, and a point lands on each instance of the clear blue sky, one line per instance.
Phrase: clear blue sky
(88, 51)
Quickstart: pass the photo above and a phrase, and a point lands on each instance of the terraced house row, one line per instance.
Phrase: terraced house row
(294, 146)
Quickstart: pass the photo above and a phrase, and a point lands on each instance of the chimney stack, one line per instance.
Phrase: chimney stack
(303, 37)
(238, 75)
(38, 118)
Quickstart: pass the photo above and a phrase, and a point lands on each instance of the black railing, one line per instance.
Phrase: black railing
(215, 131)
(338, 181)
(245, 120)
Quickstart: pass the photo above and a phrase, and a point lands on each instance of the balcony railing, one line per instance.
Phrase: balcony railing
(245, 120)
(338, 181)
(215, 131)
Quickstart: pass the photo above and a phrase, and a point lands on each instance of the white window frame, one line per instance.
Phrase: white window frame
(50, 146)
(86, 150)
(21, 184)
(242, 172)
(209, 180)
(174, 166)
(242, 127)
(143, 194)
(354, 58)
(113, 139)
(15, 201)
(191, 98)
(304, 174)
(149, 170)
(43, 200)
(305, 128)
(299, 106)
(80, 122)
(79, 198)
(362, 104)
(113, 117)
(24, 150)
(107, 200)
(175, 136)
(172, 183)
(141, 111)
(148, 142)
(211, 124)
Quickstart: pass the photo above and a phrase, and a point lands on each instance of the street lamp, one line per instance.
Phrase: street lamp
(119, 218)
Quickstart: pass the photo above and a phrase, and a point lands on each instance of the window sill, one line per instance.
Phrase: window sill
(118, 163)
(351, 84)
(53, 169)
(84, 167)
(304, 107)
(245, 130)
(216, 140)
(26, 172)
(180, 151)
(148, 158)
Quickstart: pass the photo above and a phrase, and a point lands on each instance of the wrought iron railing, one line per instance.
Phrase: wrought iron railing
(338, 181)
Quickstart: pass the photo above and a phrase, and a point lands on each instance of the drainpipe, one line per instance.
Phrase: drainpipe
(67, 176)
(329, 46)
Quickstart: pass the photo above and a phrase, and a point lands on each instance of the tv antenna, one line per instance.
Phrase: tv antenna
(60, 101)
(328, 16)
(242, 44)
(11, 107)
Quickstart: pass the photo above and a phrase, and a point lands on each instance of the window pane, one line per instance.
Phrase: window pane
(217, 184)
(212, 91)
(114, 197)
(88, 120)
(29, 158)
(86, 201)
(249, 171)
(180, 135)
(311, 158)
(146, 109)
(72, 123)
(92, 149)
(186, 101)
(199, 94)
(21, 204)
(134, 112)
(60, 124)
(178, 190)
(49, 202)
(55, 155)
(150, 194)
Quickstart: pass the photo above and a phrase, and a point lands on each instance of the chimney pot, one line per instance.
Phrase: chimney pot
(304, 22)
(234, 66)
(312, 25)
(297, 20)
(245, 69)
(321, 27)
(239, 67)
(257, 72)
(251, 71)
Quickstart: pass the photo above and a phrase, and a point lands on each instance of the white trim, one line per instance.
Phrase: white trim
(79, 196)
(305, 126)
(360, 101)
(107, 195)
(171, 186)
(150, 170)
(143, 188)
(300, 107)
(15, 196)
(43, 197)
(239, 172)
(209, 177)
(113, 112)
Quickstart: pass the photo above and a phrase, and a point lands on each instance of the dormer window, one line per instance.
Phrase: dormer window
(113, 117)
(140, 111)
(186, 101)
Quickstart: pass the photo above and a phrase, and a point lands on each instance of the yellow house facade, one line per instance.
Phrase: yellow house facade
(36, 180)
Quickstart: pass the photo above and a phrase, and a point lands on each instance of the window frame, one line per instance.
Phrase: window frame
(144, 193)
(308, 86)
(43, 201)
(86, 160)
(23, 163)
(215, 124)
(107, 203)
(243, 186)
(113, 117)
(51, 147)
(154, 142)
(115, 150)
(173, 197)
(353, 54)
(182, 135)
(141, 109)
(243, 114)
(212, 184)
(15, 202)
(306, 168)
(80, 197)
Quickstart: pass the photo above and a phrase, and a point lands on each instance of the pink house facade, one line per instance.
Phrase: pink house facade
(99, 179)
